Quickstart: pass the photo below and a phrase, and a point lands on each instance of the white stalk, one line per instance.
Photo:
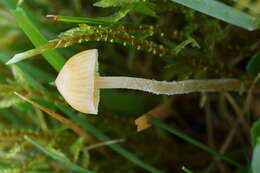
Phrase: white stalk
(79, 83)
(168, 88)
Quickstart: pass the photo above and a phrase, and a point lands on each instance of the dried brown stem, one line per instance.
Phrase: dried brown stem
(160, 112)
(66, 121)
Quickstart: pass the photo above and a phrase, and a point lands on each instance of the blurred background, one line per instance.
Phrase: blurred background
(175, 43)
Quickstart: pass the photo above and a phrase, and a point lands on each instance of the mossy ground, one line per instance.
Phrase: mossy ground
(151, 39)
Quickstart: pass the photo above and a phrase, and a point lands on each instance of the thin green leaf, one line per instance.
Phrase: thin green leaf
(222, 11)
(102, 137)
(86, 158)
(185, 43)
(194, 142)
(94, 21)
(41, 120)
(15, 120)
(255, 166)
(85, 33)
(36, 72)
(76, 148)
(30, 69)
(56, 155)
(31, 81)
(37, 39)
(115, 3)
(18, 75)
(118, 15)
(255, 132)
(143, 8)
(253, 66)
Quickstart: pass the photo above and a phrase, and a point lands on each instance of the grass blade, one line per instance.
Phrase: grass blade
(194, 142)
(221, 11)
(26, 74)
(37, 38)
(82, 20)
(254, 64)
(102, 137)
(57, 157)
(63, 120)
(53, 57)
(34, 71)
(256, 159)
(255, 132)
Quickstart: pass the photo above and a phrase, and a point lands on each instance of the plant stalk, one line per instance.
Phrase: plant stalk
(169, 88)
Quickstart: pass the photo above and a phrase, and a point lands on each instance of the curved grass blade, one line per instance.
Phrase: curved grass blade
(88, 20)
(255, 166)
(253, 66)
(60, 118)
(195, 142)
(53, 57)
(221, 11)
(34, 71)
(26, 74)
(57, 157)
(102, 137)
(255, 132)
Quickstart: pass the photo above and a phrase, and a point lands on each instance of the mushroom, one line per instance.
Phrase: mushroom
(79, 83)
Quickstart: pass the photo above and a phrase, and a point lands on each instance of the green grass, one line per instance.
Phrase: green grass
(223, 12)
(53, 57)
(200, 47)
(87, 20)
(253, 65)
(102, 137)
(194, 142)
(56, 156)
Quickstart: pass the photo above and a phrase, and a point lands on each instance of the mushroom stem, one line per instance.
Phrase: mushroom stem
(168, 88)
(79, 83)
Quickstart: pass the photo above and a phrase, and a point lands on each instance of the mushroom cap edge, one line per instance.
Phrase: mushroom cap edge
(76, 81)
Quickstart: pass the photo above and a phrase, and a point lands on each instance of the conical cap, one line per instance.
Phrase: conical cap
(76, 81)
